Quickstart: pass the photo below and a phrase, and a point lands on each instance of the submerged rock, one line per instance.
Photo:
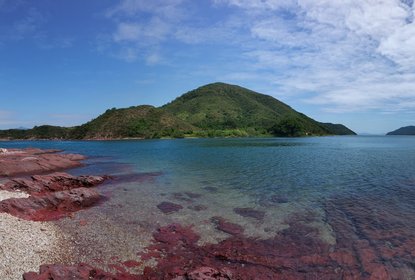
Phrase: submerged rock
(198, 207)
(169, 207)
(250, 212)
(228, 227)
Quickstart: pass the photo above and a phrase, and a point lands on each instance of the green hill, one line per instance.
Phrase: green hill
(214, 110)
(38, 132)
(338, 129)
(407, 130)
(218, 108)
(143, 121)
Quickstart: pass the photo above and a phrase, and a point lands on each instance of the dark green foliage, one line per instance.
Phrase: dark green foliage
(407, 130)
(214, 110)
(338, 129)
(135, 122)
(288, 127)
(38, 132)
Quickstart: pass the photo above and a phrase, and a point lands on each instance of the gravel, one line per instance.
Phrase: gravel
(25, 245)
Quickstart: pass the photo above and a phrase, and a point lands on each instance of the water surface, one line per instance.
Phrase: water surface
(357, 190)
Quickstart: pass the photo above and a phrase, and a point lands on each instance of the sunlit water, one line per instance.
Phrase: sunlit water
(280, 176)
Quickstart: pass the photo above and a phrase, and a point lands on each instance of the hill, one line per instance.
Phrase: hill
(407, 130)
(38, 132)
(143, 121)
(221, 108)
(214, 110)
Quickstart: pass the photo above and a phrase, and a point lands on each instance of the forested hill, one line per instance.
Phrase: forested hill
(407, 130)
(214, 110)
(220, 107)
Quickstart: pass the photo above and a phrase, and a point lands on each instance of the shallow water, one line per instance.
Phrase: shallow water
(355, 189)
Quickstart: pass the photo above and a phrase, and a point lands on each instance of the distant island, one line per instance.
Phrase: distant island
(406, 130)
(213, 110)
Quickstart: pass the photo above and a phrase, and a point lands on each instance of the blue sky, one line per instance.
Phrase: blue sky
(65, 62)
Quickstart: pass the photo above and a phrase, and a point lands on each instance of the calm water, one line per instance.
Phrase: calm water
(369, 180)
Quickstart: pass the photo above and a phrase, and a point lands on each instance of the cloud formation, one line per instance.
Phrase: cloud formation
(348, 55)
(342, 55)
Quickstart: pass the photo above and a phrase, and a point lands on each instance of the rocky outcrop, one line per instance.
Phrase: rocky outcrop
(50, 206)
(58, 181)
(52, 196)
(35, 161)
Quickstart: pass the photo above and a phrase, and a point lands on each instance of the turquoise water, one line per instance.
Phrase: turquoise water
(301, 168)
(283, 177)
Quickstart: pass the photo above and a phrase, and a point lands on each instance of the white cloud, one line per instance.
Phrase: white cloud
(346, 55)
(343, 55)
(141, 25)
(127, 32)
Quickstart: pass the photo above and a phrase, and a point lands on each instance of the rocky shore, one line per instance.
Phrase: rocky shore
(26, 240)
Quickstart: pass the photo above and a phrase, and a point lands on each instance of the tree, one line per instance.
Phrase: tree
(288, 127)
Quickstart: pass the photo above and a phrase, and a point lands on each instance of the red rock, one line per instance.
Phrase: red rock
(78, 272)
(169, 207)
(239, 257)
(207, 273)
(35, 161)
(131, 263)
(250, 212)
(40, 184)
(228, 227)
(51, 206)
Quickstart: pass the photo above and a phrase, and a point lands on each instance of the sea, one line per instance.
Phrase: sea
(354, 196)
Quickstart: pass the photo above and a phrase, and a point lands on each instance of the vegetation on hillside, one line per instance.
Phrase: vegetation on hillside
(214, 110)
(143, 121)
(37, 132)
(407, 130)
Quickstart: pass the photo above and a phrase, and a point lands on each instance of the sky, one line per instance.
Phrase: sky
(64, 62)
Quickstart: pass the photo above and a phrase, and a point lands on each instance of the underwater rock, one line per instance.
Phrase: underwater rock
(198, 207)
(186, 196)
(228, 227)
(250, 212)
(169, 207)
